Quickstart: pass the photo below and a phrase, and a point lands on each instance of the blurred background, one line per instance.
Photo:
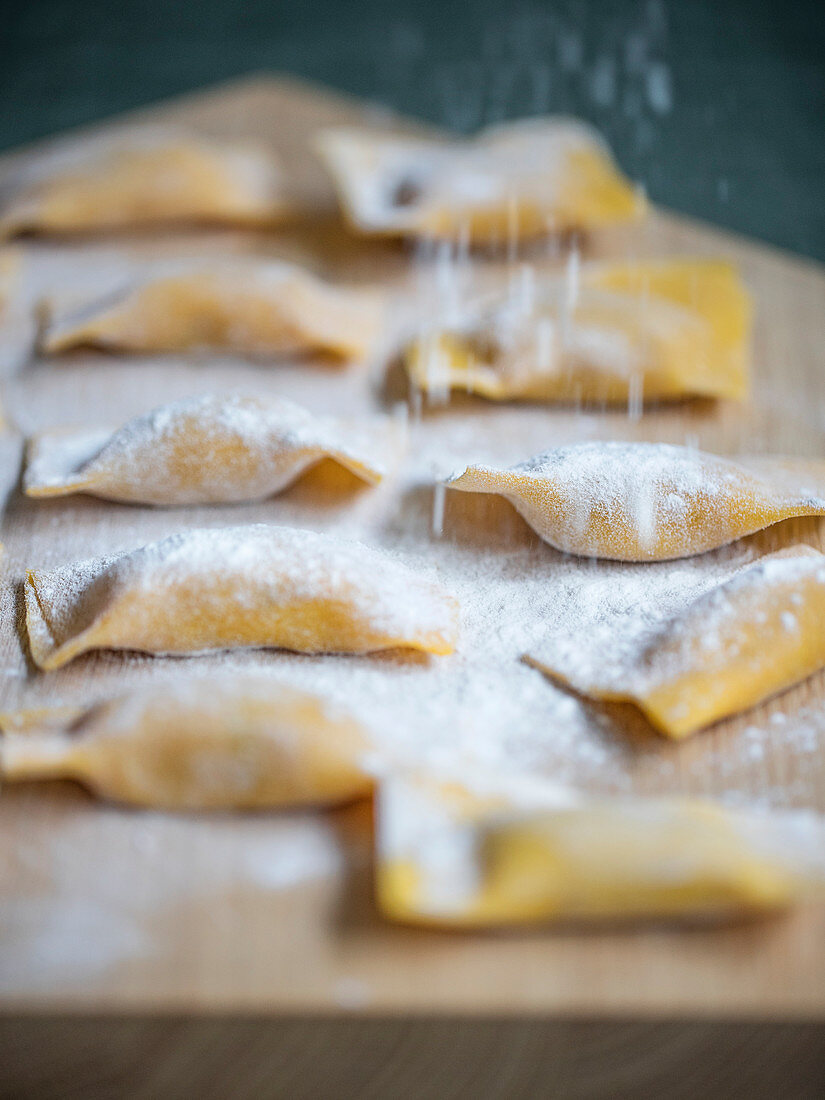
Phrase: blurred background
(718, 106)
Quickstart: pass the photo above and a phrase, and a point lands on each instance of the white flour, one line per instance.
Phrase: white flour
(75, 921)
(480, 714)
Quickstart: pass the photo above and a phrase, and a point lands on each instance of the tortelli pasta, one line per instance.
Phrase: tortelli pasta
(513, 181)
(626, 332)
(449, 859)
(147, 181)
(757, 634)
(218, 744)
(649, 501)
(207, 450)
(255, 307)
(237, 587)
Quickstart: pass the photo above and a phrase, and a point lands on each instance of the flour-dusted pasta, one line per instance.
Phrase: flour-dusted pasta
(756, 634)
(625, 332)
(237, 587)
(208, 450)
(150, 181)
(255, 307)
(222, 743)
(649, 501)
(513, 181)
(449, 859)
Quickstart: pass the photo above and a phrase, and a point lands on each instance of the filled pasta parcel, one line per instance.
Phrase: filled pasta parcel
(259, 308)
(756, 634)
(609, 333)
(256, 586)
(226, 743)
(210, 449)
(648, 502)
(147, 180)
(449, 858)
(508, 183)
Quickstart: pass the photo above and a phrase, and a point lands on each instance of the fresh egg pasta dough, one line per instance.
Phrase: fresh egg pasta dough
(237, 587)
(150, 182)
(225, 743)
(747, 639)
(255, 307)
(514, 181)
(623, 333)
(649, 501)
(208, 450)
(449, 859)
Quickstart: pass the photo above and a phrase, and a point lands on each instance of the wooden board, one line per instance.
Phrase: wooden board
(106, 909)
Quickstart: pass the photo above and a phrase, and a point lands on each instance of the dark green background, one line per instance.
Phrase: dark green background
(742, 144)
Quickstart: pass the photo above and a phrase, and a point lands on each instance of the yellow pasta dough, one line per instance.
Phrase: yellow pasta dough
(237, 587)
(510, 182)
(448, 859)
(649, 501)
(256, 307)
(217, 744)
(207, 450)
(646, 331)
(757, 634)
(142, 183)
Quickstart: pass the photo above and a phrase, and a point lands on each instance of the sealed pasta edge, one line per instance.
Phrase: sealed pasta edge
(44, 474)
(45, 650)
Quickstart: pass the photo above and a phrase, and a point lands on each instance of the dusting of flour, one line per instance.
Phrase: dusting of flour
(477, 713)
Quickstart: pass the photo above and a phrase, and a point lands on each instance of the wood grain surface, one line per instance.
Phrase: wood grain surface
(428, 1058)
(110, 910)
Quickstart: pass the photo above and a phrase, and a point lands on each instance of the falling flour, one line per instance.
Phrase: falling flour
(480, 715)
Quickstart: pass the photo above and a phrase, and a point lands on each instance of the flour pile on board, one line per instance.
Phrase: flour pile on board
(90, 924)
